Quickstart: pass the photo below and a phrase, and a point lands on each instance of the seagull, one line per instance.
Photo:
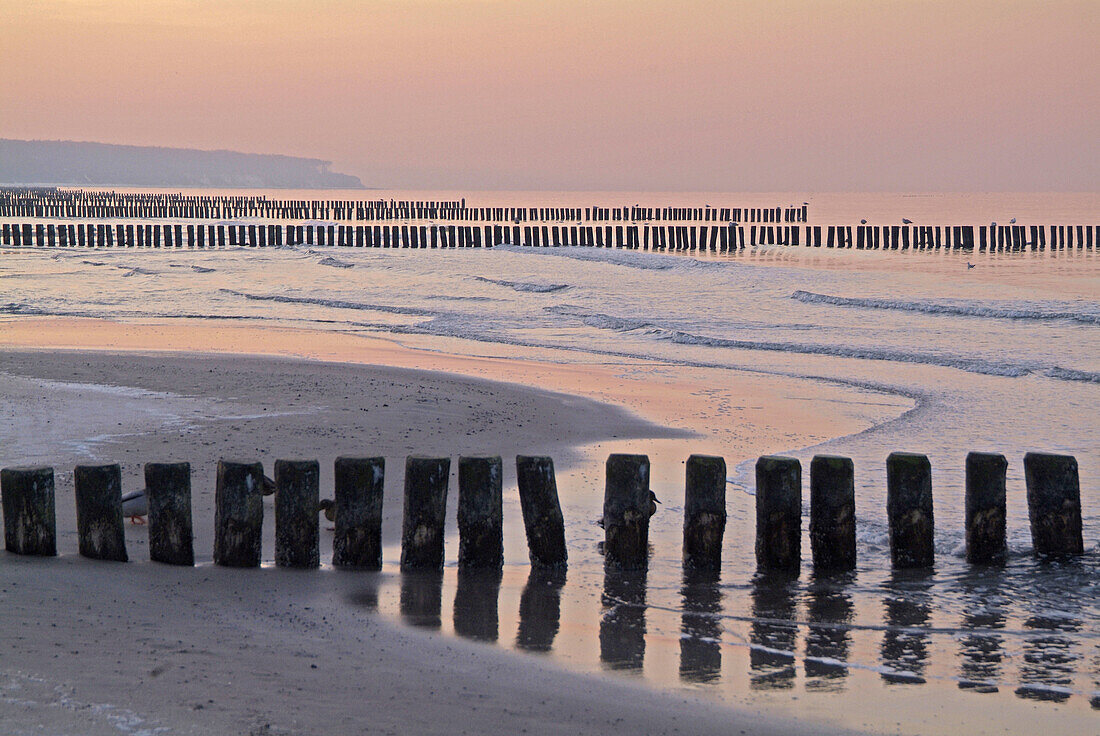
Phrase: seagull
(328, 508)
(1012, 221)
(135, 505)
(906, 221)
(969, 265)
(651, 510)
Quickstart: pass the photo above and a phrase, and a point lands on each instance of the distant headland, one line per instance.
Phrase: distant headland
(74, 163)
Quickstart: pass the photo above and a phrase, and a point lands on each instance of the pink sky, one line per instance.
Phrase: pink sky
(572, 94)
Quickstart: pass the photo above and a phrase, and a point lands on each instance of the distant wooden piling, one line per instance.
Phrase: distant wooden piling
(909, 508)
(426, 480)
(985, 508)
(704, 511)
(168, 494)
(542, 517)
(297, 499)
(832, 513)
(359, 487)
(1054, 504)
(778, 514)
(30, 526)
(99, 512)
(626, 511)
(238, 514)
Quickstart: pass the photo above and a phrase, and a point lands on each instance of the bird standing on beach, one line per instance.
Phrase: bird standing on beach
(328, 508)
(135, 505)
(906, 221)
(651, 509)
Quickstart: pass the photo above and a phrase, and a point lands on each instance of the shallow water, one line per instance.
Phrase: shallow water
(1002, 357)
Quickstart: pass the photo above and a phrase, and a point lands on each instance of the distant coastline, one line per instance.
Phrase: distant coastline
(75, 163)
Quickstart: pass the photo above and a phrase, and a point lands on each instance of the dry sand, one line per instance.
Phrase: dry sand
(92, 647)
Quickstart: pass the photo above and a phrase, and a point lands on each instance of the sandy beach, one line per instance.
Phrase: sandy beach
(97, 649)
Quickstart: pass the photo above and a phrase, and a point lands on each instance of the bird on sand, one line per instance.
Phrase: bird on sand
(328, 508)
(1012, 221)
(906, 221)
(650, 510)
(135, 505)
(862, 222)
(969, 265)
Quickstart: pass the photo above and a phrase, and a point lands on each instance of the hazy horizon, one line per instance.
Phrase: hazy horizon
(829, 95)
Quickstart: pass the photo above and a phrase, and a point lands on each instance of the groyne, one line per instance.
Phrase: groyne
(1053, 498)
(655, 238)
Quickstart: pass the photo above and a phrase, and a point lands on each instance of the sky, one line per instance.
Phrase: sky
(657, 95)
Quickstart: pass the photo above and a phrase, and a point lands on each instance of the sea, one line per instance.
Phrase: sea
(996, 352)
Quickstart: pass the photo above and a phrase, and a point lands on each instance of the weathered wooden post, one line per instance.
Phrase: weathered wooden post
(627, 506)
(985, 507)
(358, 539)
(238, 514)
(480, 513)
(168, 494)
(30, 526)
(425, 512)
(1054, 504)
(99, 512)
(833, 513)
(778, 514)
(542, 517)
(297, 489)
(909, 507)
(704, 511)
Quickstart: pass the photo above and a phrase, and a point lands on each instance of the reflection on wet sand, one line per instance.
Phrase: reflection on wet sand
(771, 659)
(1050, 659)
(830, 608)
(622, 626)
(908, 605)
(422, 598)
(540, 609)
(981, 653)
(700, 627)
(475, 608)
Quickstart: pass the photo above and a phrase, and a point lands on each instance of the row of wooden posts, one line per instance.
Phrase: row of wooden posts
(684, 238)
(1053, 495)
(103, 205)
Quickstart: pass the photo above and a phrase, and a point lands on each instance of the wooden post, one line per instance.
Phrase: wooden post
(832, 513)
(168, 494)
(985, 507)
(778, 514)
(99, 512)
(358, 539)
(30, 526)
(704, 512)
(480, 513)
(297, 489)
(626, 511)
(1054, 504)
(238, 514)
(909, 507)
(424, 513)
(542, 517)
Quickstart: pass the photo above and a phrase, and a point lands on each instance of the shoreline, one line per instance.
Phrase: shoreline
(171, 669)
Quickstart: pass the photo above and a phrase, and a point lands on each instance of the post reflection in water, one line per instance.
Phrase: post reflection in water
(1051, 655)
(700, 626)
(908, 607)
(422, 598)
(540, 609)
(475, 608)
(827, 642)
(771, 658)
(622, 626)
(981, 653)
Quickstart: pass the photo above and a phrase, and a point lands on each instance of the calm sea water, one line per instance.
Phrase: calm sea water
(1004, 357)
